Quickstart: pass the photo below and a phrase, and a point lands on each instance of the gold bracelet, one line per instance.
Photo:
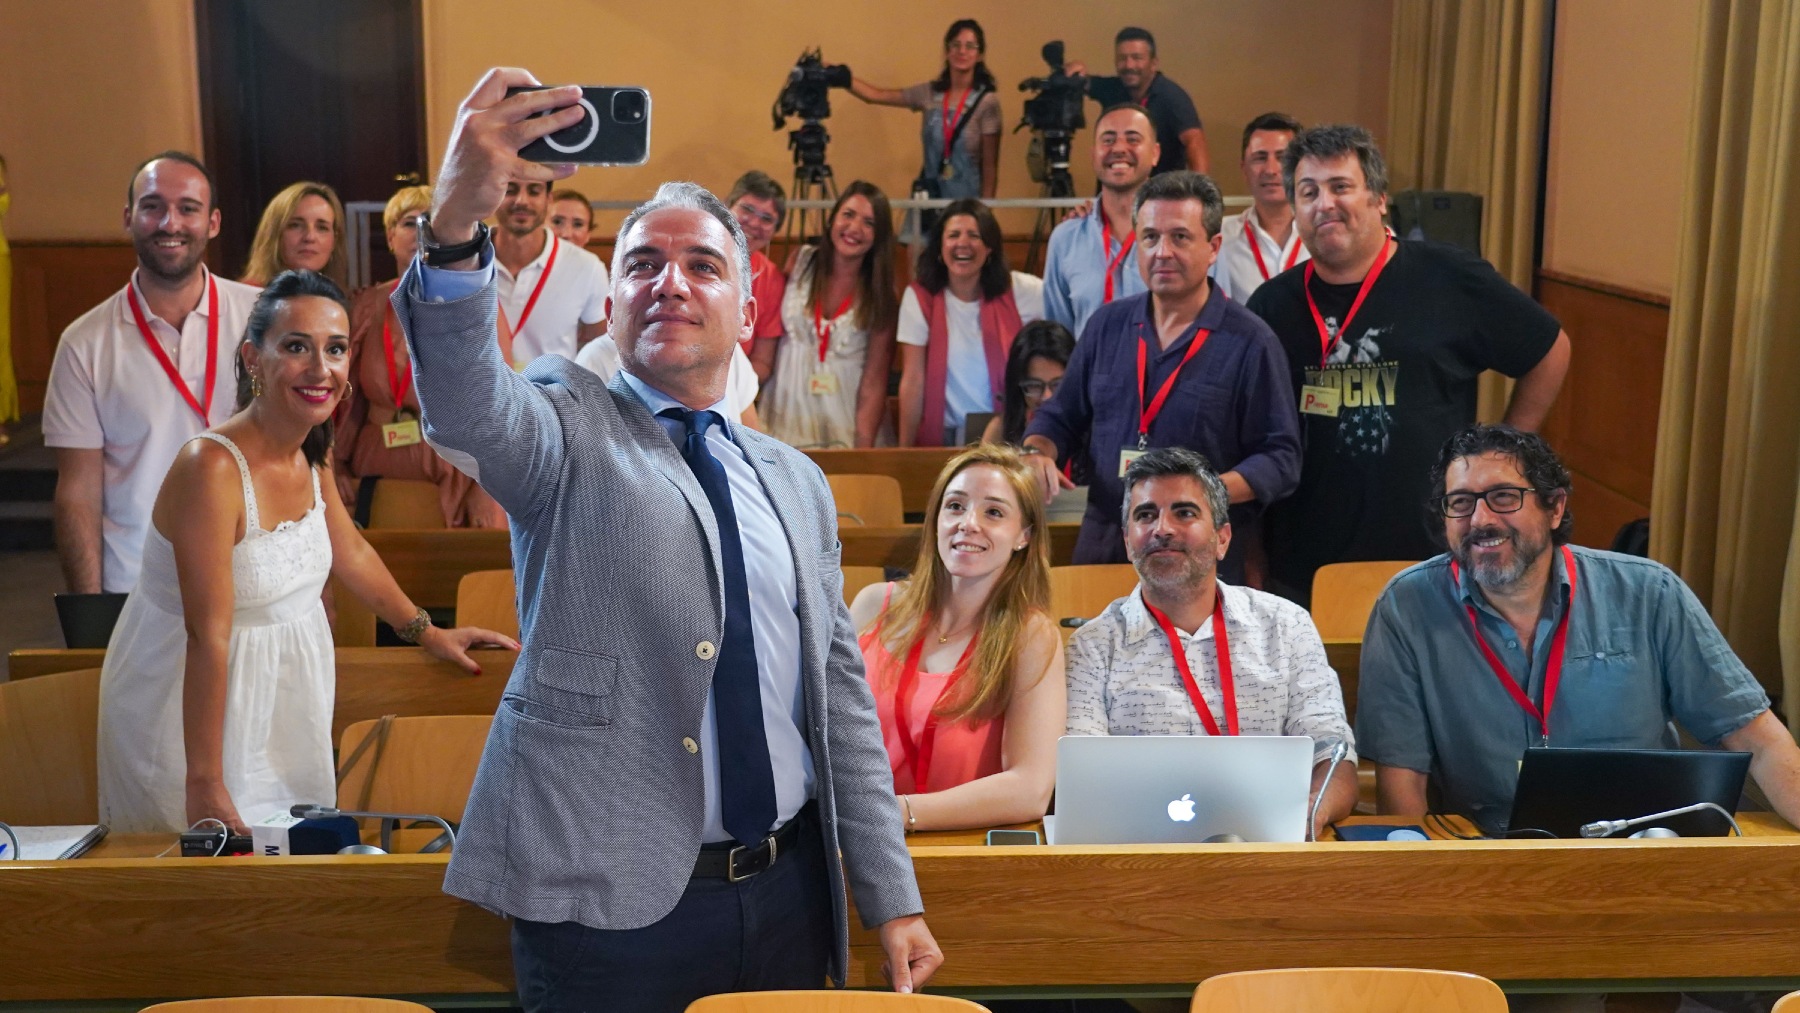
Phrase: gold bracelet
(912, 821)
(412, 631)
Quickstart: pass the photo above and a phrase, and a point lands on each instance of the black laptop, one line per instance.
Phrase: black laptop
(1561, 789)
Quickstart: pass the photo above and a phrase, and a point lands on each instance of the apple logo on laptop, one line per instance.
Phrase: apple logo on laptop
(1182, 809)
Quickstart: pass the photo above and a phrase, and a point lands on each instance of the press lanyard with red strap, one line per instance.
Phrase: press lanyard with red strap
(1227, 687)
(399, 382)
(203, 405)
(538, 290)
(917, 751)
(1326, 341)
(1112, 260)
(823, 327)
(1149, 411)
(950, 122)
(1292, 257)
(1552, 667)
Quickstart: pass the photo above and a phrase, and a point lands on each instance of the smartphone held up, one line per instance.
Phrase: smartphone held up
(614, 130)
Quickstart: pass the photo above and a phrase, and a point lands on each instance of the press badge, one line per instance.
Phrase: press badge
(1128, 456)
(822, 385)
(1320, 401)
(402, 432)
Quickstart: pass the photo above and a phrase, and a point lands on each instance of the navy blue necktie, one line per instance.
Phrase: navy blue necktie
(746, 778)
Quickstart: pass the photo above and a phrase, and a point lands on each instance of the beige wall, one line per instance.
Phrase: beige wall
(1621, 92)
(88, 88)
(712, 90)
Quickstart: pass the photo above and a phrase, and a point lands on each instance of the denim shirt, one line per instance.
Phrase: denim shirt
(1641, 654)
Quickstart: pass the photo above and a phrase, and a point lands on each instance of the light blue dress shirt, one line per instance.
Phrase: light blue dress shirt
(1075, 271)
(769, 571)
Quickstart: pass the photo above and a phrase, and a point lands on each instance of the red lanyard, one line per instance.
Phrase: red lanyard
(531, 303)
(917, 752)
(1227, 687)
(1552, 668)
(824, 329)
(1149, 412)
(1112, 261)
(1326, 341)
(398, 382)
(1293, 255)
(951, 122)
(203, 406)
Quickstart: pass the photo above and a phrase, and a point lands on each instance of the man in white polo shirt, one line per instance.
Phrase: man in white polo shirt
(140, 374)
(1261, 241)
(552, 292)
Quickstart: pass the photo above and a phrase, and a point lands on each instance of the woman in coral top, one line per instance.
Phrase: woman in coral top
(963, 658)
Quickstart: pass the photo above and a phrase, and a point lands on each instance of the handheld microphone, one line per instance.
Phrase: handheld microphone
(1606, 828)
(388, 821)
(1338, 752)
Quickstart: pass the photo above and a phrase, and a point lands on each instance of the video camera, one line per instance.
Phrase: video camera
(806, 91)
(1056, 106)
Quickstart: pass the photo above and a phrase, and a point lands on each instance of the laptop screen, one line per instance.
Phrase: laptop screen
(1562, 789)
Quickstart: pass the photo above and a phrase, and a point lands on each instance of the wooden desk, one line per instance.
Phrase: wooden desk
(915, 468)
(1574, 914)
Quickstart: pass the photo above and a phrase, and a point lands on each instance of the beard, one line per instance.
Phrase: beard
(1175, 577)
(1494, 574)
(153, 259)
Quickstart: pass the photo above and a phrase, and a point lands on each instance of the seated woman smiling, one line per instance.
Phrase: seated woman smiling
(964, 661)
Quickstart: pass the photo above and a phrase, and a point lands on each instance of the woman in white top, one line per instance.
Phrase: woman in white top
(829, 371)
(957, 324)
(216, 692)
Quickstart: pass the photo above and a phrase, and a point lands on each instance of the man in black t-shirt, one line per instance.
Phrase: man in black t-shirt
(1171, 111)
(1385, 342)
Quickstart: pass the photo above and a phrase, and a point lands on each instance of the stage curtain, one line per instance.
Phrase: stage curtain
(1726, 499)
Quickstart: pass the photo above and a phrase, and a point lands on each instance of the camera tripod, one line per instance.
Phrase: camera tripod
(813, 179)
(1057, 183)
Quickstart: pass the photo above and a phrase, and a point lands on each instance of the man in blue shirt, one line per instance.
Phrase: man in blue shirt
(1174, 367)
(1090, 262)
(1594, 648)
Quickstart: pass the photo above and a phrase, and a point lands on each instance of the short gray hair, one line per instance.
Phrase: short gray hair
(679, 194)
(1185, 185)
(1177, 461)
(1332, 141)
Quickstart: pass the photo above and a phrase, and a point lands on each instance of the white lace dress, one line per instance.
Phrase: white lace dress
(789, 409)
(281, 678)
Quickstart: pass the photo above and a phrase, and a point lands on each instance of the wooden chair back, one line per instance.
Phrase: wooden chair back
(289, 1004)
(867, 501)
(485, 598)
(915, 468)
(405, 503)
(1083, 592)
(1348, 990)
(48, 772)
(858, 577)
(427, 765)
(832, 1002)
(1344, 594)
(1789, 1003)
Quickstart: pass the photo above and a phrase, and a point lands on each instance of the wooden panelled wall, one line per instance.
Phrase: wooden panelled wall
(1604, 424)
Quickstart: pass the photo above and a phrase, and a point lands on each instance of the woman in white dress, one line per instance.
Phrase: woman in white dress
(216, 693)
(829, 380)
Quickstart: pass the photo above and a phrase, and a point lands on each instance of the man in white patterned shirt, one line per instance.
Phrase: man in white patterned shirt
(1126, 678)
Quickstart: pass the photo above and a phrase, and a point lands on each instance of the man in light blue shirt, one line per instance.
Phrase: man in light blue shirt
(1633, 650)
(1091, 260)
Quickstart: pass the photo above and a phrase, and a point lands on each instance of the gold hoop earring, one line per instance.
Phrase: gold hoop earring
(349, 388)
(255, 386)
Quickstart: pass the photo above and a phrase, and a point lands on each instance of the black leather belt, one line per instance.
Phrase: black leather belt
(737, 862)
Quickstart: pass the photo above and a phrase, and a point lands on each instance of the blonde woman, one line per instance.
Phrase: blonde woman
(963, 658)
(378, 427)
(302, 229)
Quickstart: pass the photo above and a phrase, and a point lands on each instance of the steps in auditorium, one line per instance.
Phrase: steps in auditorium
(27, 485)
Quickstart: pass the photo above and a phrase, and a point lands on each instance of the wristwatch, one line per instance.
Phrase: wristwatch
(437, 255)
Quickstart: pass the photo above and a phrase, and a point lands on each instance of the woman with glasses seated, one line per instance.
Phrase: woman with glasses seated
(964, 662)
(1034, 372)
(957, 325)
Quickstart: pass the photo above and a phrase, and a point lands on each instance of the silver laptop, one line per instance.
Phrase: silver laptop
(1180, 789)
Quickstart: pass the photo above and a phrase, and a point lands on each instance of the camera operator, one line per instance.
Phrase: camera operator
(1178, 128)
(1091, 261)
(961, 129)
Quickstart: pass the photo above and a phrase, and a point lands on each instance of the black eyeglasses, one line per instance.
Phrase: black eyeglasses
(1040, 389)
(1504, 499)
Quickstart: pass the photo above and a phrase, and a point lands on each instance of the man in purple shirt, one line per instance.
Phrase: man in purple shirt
(1177, 366)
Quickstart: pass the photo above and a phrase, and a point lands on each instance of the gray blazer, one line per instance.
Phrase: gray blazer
(587, 805)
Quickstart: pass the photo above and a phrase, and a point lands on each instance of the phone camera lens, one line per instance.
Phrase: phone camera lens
(629, 106)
